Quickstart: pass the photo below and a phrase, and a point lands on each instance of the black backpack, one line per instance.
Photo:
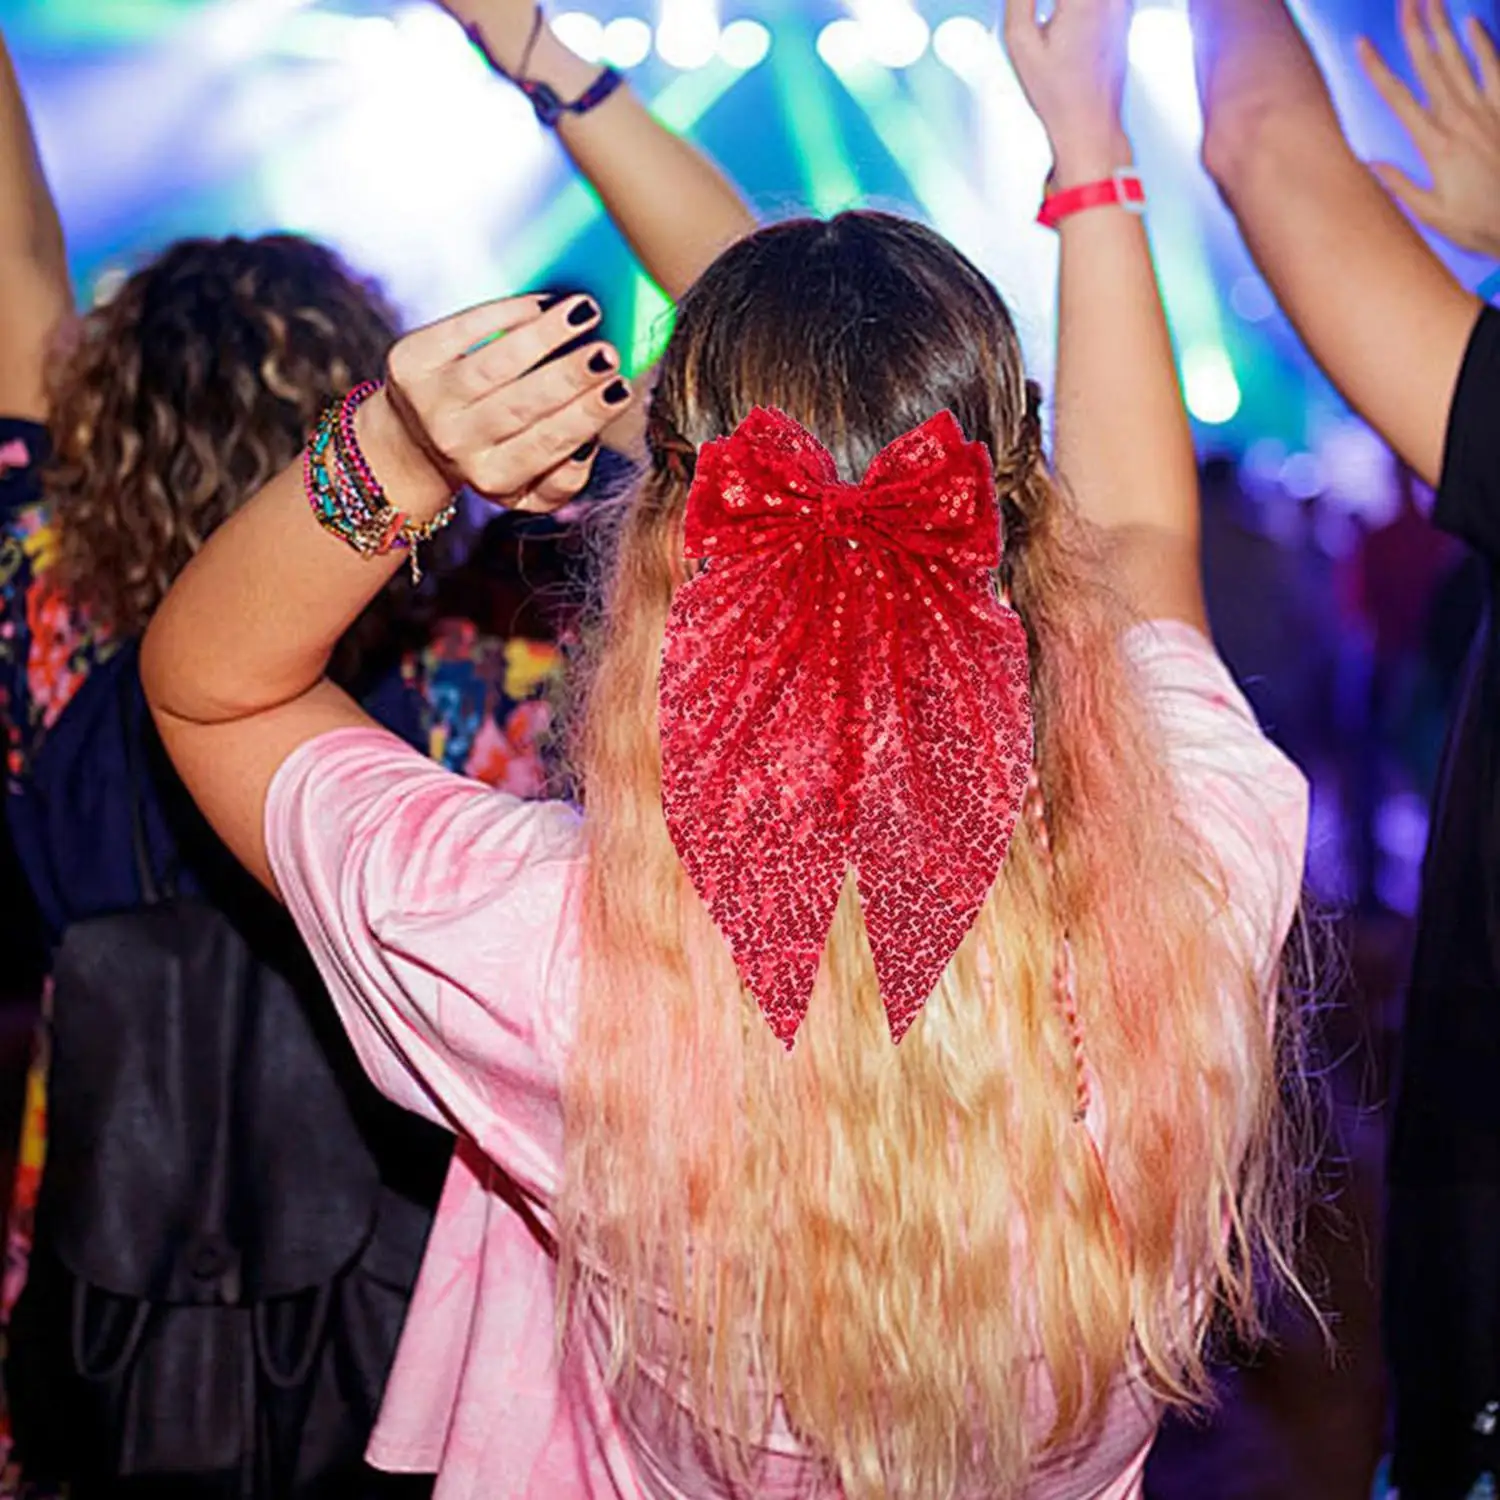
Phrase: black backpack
(229, 1222)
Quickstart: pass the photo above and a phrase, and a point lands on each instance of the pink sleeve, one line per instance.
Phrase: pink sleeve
(1242, 797)
(439, 914)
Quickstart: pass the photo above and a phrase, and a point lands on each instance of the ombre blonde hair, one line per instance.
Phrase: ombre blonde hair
(916, 1249)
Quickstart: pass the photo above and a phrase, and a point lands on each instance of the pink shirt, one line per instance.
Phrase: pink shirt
(443, 917)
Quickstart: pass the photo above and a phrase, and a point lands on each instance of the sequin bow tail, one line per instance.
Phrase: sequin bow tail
(841, 688)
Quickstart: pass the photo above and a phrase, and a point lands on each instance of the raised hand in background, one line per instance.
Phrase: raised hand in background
(1455, 124)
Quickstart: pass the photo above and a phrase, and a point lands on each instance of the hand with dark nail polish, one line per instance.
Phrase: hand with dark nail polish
(553, 376)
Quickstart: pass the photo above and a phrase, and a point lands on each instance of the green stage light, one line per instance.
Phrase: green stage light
(652, 319)
(829, 181)
(1209, 383)
(925, 155)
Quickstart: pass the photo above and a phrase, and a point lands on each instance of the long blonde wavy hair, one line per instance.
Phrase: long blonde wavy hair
(181, 396)
(917, 1248)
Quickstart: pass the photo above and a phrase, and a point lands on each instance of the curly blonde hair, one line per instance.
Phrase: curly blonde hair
(183, 395)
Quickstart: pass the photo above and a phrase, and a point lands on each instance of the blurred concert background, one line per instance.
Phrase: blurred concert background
(373, 125)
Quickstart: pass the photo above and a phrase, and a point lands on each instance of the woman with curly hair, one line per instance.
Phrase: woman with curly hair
(132, 434)
(887, 1054)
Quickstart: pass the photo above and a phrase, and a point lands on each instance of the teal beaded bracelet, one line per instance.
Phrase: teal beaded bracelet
(346, 498)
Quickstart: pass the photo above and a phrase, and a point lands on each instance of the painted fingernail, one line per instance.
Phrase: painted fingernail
(616, 393)
(603, 362)
(553, 299)
(585, 453)
(585, 312)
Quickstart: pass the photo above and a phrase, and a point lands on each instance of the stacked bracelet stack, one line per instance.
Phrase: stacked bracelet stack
(346, 497)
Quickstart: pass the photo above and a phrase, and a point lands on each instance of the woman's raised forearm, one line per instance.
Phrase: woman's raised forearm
(672, 204)
(234, 659)
(251, 622)
(1123, 442)
(35, 292)
(1375, 307)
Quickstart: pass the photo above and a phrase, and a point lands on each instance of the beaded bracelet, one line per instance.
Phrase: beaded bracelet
(347, 499)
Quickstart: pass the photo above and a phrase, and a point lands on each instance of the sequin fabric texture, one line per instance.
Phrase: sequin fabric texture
(841, 688)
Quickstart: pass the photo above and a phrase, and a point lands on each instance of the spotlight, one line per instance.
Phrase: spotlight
(1251, 299)
(744, 44)
(627, 42)
(581, 33)
(1213, 394)
(687, 33)
(1265, 459)
(1161, 51)
(1302, 476)
(841, 44)
(372, 44)
(896, 35)
(965, 46)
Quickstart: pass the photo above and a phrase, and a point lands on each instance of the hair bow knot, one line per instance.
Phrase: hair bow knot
(827, 706)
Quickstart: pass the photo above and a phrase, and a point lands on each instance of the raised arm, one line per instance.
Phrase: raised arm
(1123, 445)
(1455, 126)
(1375, 307)
(673, 205)
(35, 293)
(234, 660)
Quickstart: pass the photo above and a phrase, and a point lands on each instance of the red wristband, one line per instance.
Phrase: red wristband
(1123, 190)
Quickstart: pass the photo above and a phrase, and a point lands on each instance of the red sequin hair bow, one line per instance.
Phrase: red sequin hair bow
(842, 688)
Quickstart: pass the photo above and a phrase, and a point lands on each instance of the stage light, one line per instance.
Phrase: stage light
(828, 178)
(1213, 394)
(237, 31)
(1012, 160)
(744, 44)
(895, 35)
(429, 39)
(652, 318)
(842, 45)
(1302, 476)
(899, 42)
(1161, 52)
(627, 42)
(687, 33)
(1264, 461)
(966, 46)
(371, 43)
(1359, 472)
(376, 169)
(1251, 299)
(581, 33)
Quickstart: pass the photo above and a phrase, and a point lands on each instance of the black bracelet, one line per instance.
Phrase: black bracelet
(545, 100)
(550, 109)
